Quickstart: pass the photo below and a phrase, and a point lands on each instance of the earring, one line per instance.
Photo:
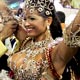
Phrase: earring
(48, 27)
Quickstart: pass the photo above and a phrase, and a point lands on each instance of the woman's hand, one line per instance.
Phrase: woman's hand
(8, 29)
(72, 33)
(21, 34)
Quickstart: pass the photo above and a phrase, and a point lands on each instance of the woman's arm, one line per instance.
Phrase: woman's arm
(8, 29)
(72, 33)
(66, 49)
(20, 34)
(71, 36)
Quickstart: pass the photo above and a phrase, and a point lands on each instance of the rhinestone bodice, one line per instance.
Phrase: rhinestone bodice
(31, 63)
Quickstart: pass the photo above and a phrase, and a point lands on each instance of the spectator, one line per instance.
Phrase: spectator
(61, 17)
(8, 27)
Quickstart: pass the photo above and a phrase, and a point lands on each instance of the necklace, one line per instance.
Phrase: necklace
(34, 48)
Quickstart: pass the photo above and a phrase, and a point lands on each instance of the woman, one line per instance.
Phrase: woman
(41, 57)
(19, 12)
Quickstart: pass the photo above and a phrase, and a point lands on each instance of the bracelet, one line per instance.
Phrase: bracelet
(73, 39)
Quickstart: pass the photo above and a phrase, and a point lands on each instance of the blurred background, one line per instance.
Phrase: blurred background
(14, 4)
(69, 9)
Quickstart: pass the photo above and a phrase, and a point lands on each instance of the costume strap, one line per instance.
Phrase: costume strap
(52, 68)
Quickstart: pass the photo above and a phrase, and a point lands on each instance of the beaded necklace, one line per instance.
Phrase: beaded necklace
(34, 48)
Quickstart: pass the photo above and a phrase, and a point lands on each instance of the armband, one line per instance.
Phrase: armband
(73, 39)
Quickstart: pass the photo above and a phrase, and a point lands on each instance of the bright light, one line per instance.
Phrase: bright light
(14, 5)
